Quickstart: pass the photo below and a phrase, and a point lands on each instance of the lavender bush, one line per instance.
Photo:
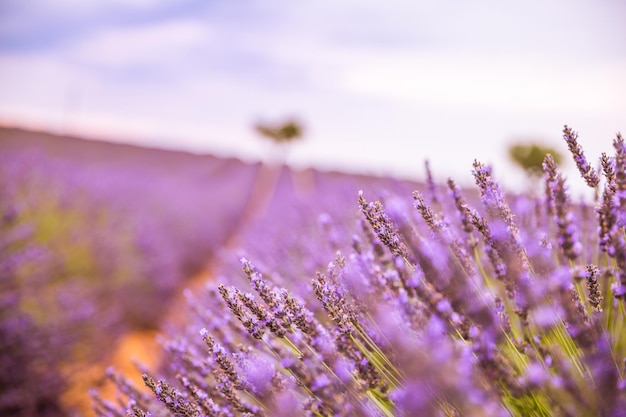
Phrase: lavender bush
(27, 386)
(447, 304)
(92, 237)
(59, 313)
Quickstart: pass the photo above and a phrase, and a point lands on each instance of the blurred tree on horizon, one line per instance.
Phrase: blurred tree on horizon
(529, 156)
(284, 132)
(281, 134)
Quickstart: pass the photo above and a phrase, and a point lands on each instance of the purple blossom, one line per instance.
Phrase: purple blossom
(586, 171)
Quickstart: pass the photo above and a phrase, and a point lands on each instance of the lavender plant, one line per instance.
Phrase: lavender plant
(92, 237)
(486, 305)
(52, 305)
(27, 386)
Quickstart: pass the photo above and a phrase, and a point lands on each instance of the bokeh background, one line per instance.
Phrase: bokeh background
(380, 86)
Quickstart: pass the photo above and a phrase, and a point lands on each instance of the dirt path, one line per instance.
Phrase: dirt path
(141, 345)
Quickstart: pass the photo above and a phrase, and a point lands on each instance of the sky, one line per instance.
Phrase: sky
(378, 86)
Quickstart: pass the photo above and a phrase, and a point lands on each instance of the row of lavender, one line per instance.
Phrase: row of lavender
(94, 241)
(442, 305)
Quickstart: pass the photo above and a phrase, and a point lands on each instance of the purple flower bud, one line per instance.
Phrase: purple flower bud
(619, 290)
(443, 306)
(415, 280)
(545, 316)
(321, 381)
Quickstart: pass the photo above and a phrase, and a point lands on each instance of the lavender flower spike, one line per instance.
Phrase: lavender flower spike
(383, 227)
(588, 173)
(564, 218)
(493, 199)
(550, 173)
(620, 179)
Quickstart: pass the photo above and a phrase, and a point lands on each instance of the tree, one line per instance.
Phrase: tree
(281, 134)
(530, 155)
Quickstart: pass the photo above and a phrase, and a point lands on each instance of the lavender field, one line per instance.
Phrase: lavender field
(99, 240)
(321, 293)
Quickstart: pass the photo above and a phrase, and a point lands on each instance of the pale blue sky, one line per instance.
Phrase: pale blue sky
(380, 85)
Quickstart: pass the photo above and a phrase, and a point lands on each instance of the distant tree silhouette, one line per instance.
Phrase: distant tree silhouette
(530, 155)
(285, 132)
(281, 134)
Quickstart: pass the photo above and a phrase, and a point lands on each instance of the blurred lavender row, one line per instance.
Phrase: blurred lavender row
(99, 239)
(96, 239)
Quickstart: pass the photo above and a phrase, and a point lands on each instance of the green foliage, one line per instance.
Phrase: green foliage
(529, 156)
(88, 251)
(287, 131)
(80, 236)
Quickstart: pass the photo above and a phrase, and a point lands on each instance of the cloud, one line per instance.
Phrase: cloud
(148, 46)
(28, 25)
(492, 82)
